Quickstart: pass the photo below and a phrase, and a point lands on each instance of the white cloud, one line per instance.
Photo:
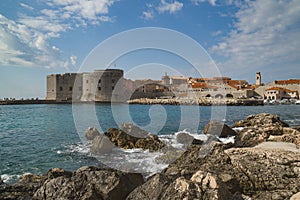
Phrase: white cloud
(169, 7)
(73, 60)
(88, 10)
(25, 42)
(147, 15)
(21, 45)
(26, 6)
(265, 35)
(197, 2)
(216, 33)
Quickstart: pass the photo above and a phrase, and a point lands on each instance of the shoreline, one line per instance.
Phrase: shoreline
(147, 101)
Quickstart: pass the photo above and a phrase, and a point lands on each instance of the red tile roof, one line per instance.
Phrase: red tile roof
(286, 82)
(281, 88)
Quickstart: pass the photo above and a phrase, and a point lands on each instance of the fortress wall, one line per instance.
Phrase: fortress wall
(100, 84)
(51, 87)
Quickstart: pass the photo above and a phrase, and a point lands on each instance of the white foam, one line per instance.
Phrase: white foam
(227, 140)
(7, 178)
(238, 128)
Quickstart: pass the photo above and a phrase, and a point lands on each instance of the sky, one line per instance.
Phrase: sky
(42, 37)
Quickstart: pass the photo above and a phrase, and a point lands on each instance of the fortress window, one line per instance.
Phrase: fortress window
(99, 88)
(70, 88)
(99, 81)
(87, 81)
(60, 88)
(113, 87)
(113, 80)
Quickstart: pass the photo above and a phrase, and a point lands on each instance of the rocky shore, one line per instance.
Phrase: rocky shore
(263, 163)
(202, 102)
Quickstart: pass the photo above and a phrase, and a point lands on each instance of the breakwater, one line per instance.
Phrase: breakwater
(202, 102)
(32, 101)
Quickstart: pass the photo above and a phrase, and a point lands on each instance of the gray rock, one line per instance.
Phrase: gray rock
(133, 130)
(90, 183)
(218, 129)
(264, 127)
(261, 119)
(234, 173)
(123, 140)
(91, 133)
(101, 144)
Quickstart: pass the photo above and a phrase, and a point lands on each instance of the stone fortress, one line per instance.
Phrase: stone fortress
(110, 86)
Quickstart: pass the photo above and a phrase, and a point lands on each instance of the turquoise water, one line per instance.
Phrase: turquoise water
(34, 138)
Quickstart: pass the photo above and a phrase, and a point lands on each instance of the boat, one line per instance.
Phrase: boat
(297, 102)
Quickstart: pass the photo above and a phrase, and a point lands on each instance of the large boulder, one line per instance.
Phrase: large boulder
(89, 183)
(101, 144)
(259, 120)
(133, 130)
(218, 129)
(23, 189)
(123, 140)
(264, 127)
(226, 173)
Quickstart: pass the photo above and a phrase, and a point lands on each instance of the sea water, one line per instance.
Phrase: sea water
(35, 138)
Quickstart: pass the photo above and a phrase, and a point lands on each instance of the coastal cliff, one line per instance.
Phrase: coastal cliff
(263, 163)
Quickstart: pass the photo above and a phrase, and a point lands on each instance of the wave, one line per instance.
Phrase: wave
(10, 178)
(139, 160)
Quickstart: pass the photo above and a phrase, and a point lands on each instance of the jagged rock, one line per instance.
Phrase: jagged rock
(22, 190)
(296, 128)
(123, 140)
(259, 120)
(101, 144)
(264, 127)
(90, 183)
(91, 133)
(218, 129)
(184, 138)
(133, 130)
(266, 174)
(226, 173)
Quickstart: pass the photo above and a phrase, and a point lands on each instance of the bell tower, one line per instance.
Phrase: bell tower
(258, 78)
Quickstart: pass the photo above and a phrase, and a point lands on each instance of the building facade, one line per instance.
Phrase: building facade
(288, 85)
(99, 85)
(60, 87)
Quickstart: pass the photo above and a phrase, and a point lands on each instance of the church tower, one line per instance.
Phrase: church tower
(258, 78)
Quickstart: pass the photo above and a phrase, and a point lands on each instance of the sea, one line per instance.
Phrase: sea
(35, 138)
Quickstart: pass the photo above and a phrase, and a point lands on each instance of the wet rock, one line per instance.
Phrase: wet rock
(91, 133)
(184, 138)
(23, 189)
(218, 129)
(122, 140)
(90, 183)
(101, 144)
(133, 130)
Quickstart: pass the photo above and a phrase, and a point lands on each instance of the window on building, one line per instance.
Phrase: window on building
(99, 88)
(99, 81)
(113, 80)
(80, 88)
(60, 88)
(113, 87)
(87, 81)
(71, 88)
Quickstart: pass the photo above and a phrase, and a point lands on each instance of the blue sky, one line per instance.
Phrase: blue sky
(38, 38)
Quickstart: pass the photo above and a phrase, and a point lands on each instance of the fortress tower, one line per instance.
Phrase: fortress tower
(258, 78)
